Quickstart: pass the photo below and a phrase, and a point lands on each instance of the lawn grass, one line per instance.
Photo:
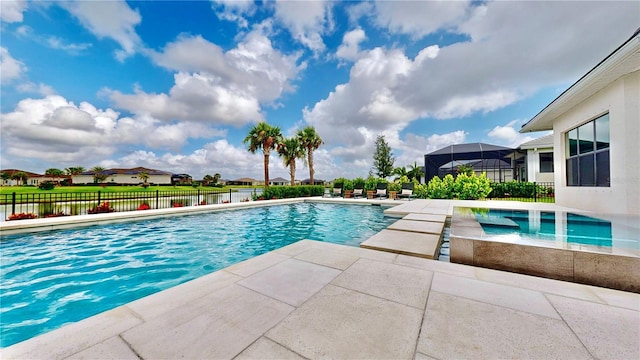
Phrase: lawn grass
(110, 189)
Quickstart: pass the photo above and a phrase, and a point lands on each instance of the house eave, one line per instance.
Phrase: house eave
(624, 60)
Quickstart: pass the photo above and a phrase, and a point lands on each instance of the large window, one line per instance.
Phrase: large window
(587, 149)
(546, 162)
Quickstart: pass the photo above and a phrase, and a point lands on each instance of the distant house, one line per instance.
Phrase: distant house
(533, 160)
(32, 178)
(315, 182)
(243, 181)
(596, 127)
(279, 181)
(181, 179)
(126, 176)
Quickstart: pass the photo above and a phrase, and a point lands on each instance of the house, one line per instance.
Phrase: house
(33, 179)
(279, 181)
(596, 134)
(533, 160)
(244, 181)
(126, 176)
(491, 159)
(315, 182)
(181, 179)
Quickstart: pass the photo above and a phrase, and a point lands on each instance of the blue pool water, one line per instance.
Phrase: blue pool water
(53, 278)
(552, 226)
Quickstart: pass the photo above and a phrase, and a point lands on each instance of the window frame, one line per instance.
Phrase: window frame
(582, 166)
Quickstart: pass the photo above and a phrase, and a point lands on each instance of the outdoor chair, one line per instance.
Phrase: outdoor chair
(358, 193)
(381, 191)
(337, 191)
(407, 191)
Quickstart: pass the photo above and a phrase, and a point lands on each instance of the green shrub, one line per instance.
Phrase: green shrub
(371, 184)
(287, 192)
(440, 188)
(46, 185)
(358, 183)
(471, 187)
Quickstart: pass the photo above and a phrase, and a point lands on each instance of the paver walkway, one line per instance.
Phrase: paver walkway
(319, 300)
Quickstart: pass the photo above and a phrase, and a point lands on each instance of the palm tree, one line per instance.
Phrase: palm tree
(400, 171)
(415, 172)
(290, 150)
(266, 137)
(54, 173)
(5, 176)
(216, 178)
(98, 174)
(207, 179)
(144, 177)
(310, 141)
(74, 170)
(20, 176)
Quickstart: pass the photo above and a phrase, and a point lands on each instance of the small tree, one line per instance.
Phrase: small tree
(207, 180)
(98, 174)
(216, 178)
(383, 158)
(74, 170)
(144, 177)
(54, 173)
(263, 137)
(310, 141)
(5, 176)
(400, 172)
(415, 172)
(20, 177)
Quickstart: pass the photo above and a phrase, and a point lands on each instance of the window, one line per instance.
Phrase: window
(587, 149)
(546, 162)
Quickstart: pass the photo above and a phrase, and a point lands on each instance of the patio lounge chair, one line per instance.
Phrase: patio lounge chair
(358, 193)
(337, 191)
(407, 191)
(381, 191)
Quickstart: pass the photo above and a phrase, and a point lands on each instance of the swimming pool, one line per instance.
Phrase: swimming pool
(57, 277)
(556, 226)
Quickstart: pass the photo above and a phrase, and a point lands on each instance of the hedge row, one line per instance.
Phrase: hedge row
(287, 192)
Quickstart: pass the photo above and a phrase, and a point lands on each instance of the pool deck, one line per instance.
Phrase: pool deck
(320, 300)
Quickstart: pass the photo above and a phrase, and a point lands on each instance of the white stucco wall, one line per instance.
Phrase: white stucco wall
(621, 99)
(124, 179)
(533, 166)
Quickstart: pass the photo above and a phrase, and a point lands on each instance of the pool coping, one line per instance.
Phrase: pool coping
(64, 222)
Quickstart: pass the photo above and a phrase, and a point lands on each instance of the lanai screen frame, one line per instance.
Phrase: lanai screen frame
(473, 151)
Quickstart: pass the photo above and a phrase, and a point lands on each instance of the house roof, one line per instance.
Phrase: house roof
(279, 179)
(468, 148)
(132, 171)
(244, 180)
(541, 142)
(623, 60)
(13, 171)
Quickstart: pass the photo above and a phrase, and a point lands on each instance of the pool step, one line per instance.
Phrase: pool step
(415, 235)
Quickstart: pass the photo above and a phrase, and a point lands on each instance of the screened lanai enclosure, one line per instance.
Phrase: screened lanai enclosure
(491, 159)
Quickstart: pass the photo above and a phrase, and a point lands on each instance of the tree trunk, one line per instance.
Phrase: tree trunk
(292, 172)
(266, 169)
(310, 151)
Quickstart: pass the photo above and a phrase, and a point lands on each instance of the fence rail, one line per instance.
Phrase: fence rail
(523, 191)
(73, 203)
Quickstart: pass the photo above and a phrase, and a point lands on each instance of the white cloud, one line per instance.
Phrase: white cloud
(55, 42)
(109, 19)
(10, 68)
(33, 88)
(508, 135)
(349, 49)
(419, 18)
(215, 86)
(57, 130)
(234, 10)
(307, 21)
(11, 10)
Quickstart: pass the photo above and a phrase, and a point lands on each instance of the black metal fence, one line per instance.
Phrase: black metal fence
(523, 191)
(28, 205)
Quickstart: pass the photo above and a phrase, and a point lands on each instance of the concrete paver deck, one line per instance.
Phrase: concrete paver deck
(404, 242)
(426, 227)
(346, 302)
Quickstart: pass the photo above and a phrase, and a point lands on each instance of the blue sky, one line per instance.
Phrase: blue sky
(177, 85)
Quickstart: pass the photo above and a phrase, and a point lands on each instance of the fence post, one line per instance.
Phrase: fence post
(198, 199)
(13, 203)
(98, 197)
(229, 195)
(157, 195)
(535, 192)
